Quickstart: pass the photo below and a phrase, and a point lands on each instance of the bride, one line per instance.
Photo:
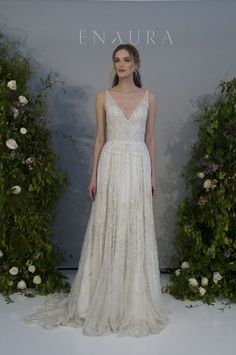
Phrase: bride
(117, 286)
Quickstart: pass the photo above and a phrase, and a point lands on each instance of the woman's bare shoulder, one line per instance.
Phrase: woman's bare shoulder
(152, 93)
(152, 96)
(101, 93)
(101, 96)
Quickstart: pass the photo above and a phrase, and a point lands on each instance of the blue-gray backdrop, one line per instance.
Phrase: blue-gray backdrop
(186, 48)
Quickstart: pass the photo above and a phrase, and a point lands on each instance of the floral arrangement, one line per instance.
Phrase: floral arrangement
(30, 184)
(205, 239)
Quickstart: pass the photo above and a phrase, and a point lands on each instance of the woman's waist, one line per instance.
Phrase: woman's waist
(124, 145)
(122, 141)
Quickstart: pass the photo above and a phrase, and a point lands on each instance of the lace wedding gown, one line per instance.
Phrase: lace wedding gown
(117, 286)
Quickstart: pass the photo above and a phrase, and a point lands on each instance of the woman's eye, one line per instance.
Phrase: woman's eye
(117, 60)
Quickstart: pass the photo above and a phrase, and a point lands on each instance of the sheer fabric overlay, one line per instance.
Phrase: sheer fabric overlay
(117, 286)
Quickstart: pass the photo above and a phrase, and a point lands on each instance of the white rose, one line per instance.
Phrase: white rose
(202, 291)
(177, 272)
(31, 268)
(207, 156)
(23, 130)
(216, 276)
(11, 84)
(30, 160)
(192, 281)
(16, 189)
(207, 184)
(185, 265)
(14, 270)
(202, 200)
(23, 100)
(204, 281)
(28, 262)
(21, 284)
(1, 253)
(11, 143)
(201, 175)
(37, 279)
(15, 112)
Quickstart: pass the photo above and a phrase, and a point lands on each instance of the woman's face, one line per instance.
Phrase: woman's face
(123, 63)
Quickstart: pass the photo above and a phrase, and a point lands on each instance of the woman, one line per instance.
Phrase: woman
(117, 286)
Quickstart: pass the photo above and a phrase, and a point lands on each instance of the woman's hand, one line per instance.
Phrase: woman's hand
(154, 185)
(92, 188)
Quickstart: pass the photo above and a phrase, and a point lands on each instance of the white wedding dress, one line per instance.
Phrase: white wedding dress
(117, 287)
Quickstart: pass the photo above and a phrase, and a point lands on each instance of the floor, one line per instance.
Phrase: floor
(196, 328)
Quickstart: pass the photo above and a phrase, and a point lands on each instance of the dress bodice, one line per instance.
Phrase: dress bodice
(119, 127)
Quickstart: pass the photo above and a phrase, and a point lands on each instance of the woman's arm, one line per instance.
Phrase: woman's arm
(149, 136)
(101, 130)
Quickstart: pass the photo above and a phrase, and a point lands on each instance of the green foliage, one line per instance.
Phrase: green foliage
(30, 183)
(206, 225)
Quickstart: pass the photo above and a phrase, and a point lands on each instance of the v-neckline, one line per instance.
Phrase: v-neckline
(127, 119)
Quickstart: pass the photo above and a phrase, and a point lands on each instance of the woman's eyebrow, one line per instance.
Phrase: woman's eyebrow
(119, 58)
